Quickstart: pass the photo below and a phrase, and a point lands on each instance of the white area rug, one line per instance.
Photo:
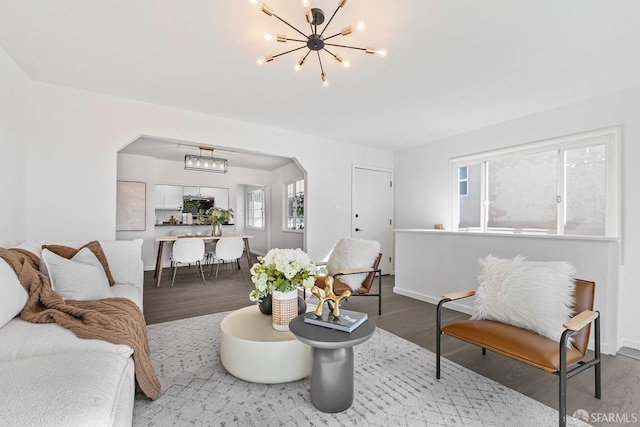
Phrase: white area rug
(395, 385)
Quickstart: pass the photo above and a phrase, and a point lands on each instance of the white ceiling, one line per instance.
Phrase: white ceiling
(167, 149)
(453, 65)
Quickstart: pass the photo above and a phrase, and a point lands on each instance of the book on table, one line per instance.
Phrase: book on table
(346, 322)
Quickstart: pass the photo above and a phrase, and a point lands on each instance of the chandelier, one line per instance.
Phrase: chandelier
(205, 163)
(316, 41)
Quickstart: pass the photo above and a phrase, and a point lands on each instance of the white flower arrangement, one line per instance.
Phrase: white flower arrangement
(282, 270)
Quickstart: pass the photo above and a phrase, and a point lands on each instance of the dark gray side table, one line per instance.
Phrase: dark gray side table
(331, 361)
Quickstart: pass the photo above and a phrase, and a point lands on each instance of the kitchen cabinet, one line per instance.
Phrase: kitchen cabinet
(198, 191)
(168, 197)
(221, 197)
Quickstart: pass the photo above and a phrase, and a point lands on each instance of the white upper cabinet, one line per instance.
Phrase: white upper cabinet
(168, 197)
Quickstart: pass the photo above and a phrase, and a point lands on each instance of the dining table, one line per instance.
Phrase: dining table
(163, 240)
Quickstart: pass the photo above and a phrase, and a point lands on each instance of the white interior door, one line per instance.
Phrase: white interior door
(372, 210)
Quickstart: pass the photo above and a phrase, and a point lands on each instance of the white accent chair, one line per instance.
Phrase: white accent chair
(187, 250)
(228, 250)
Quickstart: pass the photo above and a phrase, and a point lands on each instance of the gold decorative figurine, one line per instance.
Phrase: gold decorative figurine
(333, 300)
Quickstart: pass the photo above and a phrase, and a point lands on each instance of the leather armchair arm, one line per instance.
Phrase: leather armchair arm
(581, 320)
(459, 294)
(354, 271)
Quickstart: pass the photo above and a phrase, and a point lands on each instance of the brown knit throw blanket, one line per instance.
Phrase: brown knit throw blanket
(116, 320)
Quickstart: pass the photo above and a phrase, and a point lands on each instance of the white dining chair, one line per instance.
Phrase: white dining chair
(227, 250)
(187, 250)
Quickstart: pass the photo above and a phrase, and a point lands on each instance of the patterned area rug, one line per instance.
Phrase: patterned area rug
(395, 385)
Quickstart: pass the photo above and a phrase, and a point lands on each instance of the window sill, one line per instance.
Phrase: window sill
(508, 235)
(288, 230)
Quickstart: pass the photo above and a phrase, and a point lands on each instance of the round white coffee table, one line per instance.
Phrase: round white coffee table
(250, 349)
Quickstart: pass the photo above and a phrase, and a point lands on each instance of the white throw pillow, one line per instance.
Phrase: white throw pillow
(79, 278)
(12, 295)
(351, 254)
(537, 296)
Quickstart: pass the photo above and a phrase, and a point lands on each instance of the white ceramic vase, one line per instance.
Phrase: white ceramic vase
(216, 230)
(284, 308)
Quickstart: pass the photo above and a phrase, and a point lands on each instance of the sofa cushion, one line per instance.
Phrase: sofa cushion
(48, 338)
(79, 278)
(94, 246)
(127, 291)
(350, 254)
(127, 256)
(12, 295)
(67, 389)
(537, 296)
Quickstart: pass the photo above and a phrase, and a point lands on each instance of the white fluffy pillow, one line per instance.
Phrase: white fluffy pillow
(537, 296)
(79, 278)
(350, 254)
(12, 295)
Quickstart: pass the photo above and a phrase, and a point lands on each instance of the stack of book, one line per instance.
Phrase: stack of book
(348, 320)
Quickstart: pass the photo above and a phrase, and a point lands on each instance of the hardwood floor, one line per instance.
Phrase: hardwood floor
(415, 320)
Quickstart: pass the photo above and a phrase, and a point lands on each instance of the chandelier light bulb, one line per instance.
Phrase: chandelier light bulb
(361, 26)
(346, 64)
(266, 9)
(264, 60)
(381, 52)
(268, 37)
(325, 81)
(300, 63)
(306, 3)
(253, 1)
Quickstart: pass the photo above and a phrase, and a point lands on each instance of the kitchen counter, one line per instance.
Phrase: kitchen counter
(164, 224)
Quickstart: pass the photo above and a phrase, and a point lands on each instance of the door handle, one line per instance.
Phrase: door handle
(359, 229)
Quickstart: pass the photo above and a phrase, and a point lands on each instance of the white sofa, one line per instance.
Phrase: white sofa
(52, 378)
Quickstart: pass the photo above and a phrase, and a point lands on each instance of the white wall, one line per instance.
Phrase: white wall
(430, 263)
(74, 140)
(14, 91)
(282, 238)
(424, 170)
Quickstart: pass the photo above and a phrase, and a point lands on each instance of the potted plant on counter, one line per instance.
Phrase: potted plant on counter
(217, 216)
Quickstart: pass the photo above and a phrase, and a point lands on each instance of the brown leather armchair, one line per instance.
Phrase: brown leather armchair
(365, 289)
(531, 348)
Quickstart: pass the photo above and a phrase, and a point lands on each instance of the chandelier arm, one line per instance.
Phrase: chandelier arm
(305, 57)
(329, 52)
(348, 47)
(330, 19)
(320, 61)
(296, 40)
(330, 37)
(294, 28)
(289, 51)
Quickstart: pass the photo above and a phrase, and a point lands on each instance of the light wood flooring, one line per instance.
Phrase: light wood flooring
(412, 320)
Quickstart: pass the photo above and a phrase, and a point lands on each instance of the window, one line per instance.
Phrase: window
(294, 209)
(255, 209)
(565, 186)
(463, 181)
